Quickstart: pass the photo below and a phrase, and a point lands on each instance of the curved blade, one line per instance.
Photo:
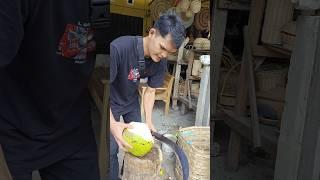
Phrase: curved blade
(178, 151)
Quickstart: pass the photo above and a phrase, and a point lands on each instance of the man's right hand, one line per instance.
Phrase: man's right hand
(116, 129)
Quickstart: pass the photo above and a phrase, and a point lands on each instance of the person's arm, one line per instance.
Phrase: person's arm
(116, 129)
(148, 101)
(11, 31)
(154, 81)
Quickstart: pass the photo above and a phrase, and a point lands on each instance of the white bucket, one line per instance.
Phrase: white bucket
(166, 149)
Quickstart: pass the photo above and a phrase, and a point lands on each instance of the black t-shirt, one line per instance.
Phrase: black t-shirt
(125, 52)
(46, 59)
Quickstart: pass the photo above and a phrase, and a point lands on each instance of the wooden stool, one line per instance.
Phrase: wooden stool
(163, 93)
(145, 168)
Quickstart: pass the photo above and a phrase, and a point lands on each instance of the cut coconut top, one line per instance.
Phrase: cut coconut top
(141, 129)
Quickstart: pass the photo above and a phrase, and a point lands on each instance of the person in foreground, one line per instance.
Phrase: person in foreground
(46, 60)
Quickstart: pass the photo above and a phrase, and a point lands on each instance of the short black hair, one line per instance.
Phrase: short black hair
(170, 22)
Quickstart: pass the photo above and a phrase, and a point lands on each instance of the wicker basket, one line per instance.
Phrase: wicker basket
(157, 7)
(270, 79)
(195, 142)
(202, 19)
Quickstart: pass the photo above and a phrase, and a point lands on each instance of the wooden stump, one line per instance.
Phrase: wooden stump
(144, 168)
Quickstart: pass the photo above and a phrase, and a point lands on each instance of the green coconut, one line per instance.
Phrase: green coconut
(140, 138)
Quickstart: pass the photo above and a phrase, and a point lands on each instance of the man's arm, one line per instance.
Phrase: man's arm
(148, 101)
(116, 129)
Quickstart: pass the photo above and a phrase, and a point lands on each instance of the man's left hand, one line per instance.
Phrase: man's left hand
(151, 127)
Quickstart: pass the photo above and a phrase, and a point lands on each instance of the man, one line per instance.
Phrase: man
(46, 59)
(127, 66)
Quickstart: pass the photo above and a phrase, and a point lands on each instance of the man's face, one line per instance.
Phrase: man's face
(160, 47)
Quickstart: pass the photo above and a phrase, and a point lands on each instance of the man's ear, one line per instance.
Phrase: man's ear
(152, 32)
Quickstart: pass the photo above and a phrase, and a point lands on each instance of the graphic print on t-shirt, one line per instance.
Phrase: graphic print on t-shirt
(134, 74)
(76, 42)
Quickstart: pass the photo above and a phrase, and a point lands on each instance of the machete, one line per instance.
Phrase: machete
(178, 151)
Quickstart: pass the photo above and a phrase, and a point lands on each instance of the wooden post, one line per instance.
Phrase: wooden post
(278, 13)
(103, 151)
(203, 104)
(298, 156)
(175, 94)
(233, 154)
(187, 85)
(252, 90)
(255, 22)
(307, 4)
(99, 90)
(217, 40)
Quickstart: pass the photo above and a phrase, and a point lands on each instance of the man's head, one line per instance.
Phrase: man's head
(166, 36)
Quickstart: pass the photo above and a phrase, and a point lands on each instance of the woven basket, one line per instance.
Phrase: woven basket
(157, 7)
(195, 6)
(184, 5)
(201, 44)
(205, 4)
(270, 79)
(195, 142)
(202, 19)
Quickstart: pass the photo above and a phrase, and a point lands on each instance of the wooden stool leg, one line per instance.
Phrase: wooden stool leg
(166, 110)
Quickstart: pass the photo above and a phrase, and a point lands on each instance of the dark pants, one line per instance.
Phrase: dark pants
(82, 165)
(114, 148)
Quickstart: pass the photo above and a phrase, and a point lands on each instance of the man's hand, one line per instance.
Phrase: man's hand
(151, 127)
(116, 130)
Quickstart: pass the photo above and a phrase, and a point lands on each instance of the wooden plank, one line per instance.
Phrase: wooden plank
(307, 4)
(99, 90)
(219, 23)
(288, 36)
(298, 149)
(103, 151)
(233, 5)
(4, 170)
(187, 86)
(186, 101)
(177, 75)
(255, 22)
(278, 13)
(233, 154)
(252, 90)
(242, 126)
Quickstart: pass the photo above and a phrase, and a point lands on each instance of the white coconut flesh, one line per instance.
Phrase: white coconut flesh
(142, 130)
